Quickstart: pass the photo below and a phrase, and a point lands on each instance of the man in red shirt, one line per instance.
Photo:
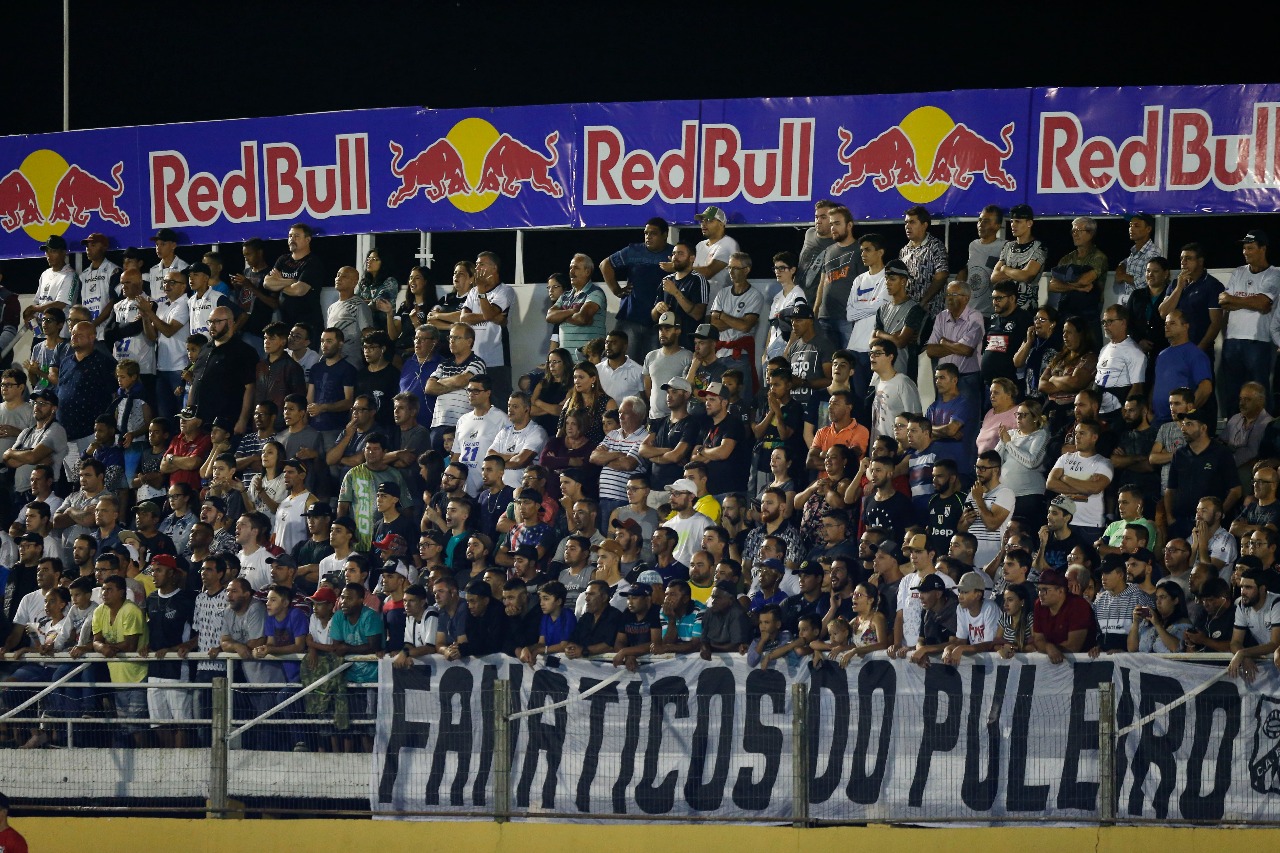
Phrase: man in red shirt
(11, 841)
(1063, 620)
(187, 451)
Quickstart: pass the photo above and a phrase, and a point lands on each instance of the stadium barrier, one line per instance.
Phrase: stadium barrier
(1114, 740)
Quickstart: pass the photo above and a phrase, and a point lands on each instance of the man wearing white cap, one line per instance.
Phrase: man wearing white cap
(713, 253)
(977, 620)
(687, 522)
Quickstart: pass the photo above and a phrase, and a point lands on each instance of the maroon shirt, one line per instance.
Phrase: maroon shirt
(1075, 614)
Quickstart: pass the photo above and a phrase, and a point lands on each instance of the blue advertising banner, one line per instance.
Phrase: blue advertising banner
(1192, 149)
(1166, 149)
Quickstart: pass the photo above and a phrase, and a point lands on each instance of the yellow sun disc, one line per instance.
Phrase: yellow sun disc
(473, 137)
(925, 127)
(44, 169)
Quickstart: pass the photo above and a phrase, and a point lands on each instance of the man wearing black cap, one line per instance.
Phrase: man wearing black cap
(1131, 274)
(725, 626)
(1021, 259)
(59, 286)
(486, 624)
(166, 241)
(900, 318)
(99, 281)
(1203, 466)
(1113, 606)
(1247, 347)
(44, 443)
(809, 601)
(810, 354)
(938, 620)
(315, 548)
(705, 367)
(724, 446)
(641, 627)
(298, 277)
(203, 298)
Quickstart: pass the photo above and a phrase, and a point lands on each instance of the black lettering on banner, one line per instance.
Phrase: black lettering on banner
(1019, 796)
(405, 734)
(835, 680)
(713, 684)
(660, 799)
(456, 735)
(630, 743)
(979, 793)
(1124, 717)
(760, 739)
(1158, 750)
(876, 675)
(1222, 697)
(1082, 735)
(936, 735)
(597, 706)
(548, 687)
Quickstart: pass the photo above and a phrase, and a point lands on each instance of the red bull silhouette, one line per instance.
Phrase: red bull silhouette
(510, 163)
(80, 193)
(438, 170)
(18, 205)
(963, 154)
(889, 160)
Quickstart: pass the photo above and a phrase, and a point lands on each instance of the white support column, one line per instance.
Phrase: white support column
(424, 249)
(364, 244)
(519, 268)
(1161, 235)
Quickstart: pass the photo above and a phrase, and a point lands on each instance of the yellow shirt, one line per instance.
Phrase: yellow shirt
(130, 621)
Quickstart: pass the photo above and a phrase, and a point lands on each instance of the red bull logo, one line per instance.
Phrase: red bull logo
(472, 165)
(289, 189)
(45, 195)
(956, 153)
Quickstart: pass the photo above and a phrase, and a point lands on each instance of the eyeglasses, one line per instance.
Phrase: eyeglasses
(476, 390)
(1107, 322)
(1268, 482)
(781, 268)
(987, 467)
(876, 353)
(361, 409)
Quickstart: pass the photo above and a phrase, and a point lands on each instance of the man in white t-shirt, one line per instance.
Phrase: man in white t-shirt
(687, 522)
(984, 253)
(477, 429)
(910, 612)
(711, 256)
(520, 442)
(1247, 300)
(977, 620)
(1083, 475)
(166, 241)
(485, 309)
(99, 281)
(1257, 625)
(895, 392)
(59, 287)
(1122, 366)
(170, 317)
(130, 336)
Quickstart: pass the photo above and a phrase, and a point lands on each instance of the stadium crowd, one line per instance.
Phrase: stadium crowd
(201, 464)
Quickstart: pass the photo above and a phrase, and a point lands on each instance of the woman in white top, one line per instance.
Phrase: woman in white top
(784, 269)
(1022, 462)
(267, 489)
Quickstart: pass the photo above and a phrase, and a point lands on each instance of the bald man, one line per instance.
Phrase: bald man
(86, 384)
(223, 374)
(351, 314)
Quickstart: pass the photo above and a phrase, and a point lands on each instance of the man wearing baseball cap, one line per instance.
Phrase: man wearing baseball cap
(900, 318)
(1063, 621)
(687, 522)
(977, 620)
(166, 241)
(641, 627)
(715, 252)
(1021, 259)
(669, 443)
(59, 286)
(724, 447)
(99, 280)
(669, 361)
(705, 367)
(684, 293)
(938, 623)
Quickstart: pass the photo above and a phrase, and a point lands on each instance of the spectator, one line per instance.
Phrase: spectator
(1006, 328)
(1132, 270)
(1161, 629)
(841, 265)
(1001, 417)
(987, 509)
(957, 338)
(1077, 282)
(1062, 621)
(1083, 475)
(1202, 467)
(1021, 261)
(984, 253)
(1249, 296)
(1257, 626)
(120, 626)
(1115, 605)
(893, 392)
(817, 238)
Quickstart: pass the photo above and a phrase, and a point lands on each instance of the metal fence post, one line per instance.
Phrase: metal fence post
(1107, 752)
(799, 755)
(218, 750)
(502, 751)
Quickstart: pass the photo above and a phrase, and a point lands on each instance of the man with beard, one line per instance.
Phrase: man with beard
(687, 523)
(1214, 626)
(1202, 467)
(684, 293)
(297, 278)
(884, 506)
(773, 524)
(224, 375)
(1209, 542)
(1257, 626)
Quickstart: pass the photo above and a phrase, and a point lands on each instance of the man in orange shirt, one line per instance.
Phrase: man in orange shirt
(843, 429)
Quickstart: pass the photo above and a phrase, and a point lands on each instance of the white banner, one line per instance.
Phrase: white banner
(887, 740)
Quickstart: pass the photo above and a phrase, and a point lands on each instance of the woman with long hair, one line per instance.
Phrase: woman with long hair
(378, 285)
(418, 301)
(1022, 462)
(267, 489)
(586, 396)
(548, 395)
(867, 631)
(1017, 622)
(572, 451)
(1069, 371)
(1044, 341)
(1161, 628)
(1004, 397)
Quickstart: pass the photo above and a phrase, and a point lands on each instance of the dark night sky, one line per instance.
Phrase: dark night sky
(142, 63)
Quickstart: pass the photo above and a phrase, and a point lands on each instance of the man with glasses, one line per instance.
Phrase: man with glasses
(449, 382)
(177, 525)
(452, 487)
(477, 429)
(379, 379)
(957, 335)
(1078, 280)
(987, 509)
(15, 413)
(1262, 509)
(299, 347)
(893, 392)
(348, 450)
(1006, 330)
(350, 314)
(1122, 366)
(224, 375)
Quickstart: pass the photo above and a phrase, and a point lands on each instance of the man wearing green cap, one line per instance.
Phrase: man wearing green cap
(713, 253)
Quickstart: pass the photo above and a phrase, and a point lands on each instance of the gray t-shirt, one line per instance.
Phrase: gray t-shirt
(662, 368)
(243, 627)
(982, 260)
(1170, 437)
(810, 272)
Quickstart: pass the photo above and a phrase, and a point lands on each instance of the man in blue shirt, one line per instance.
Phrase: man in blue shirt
(641, 264)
